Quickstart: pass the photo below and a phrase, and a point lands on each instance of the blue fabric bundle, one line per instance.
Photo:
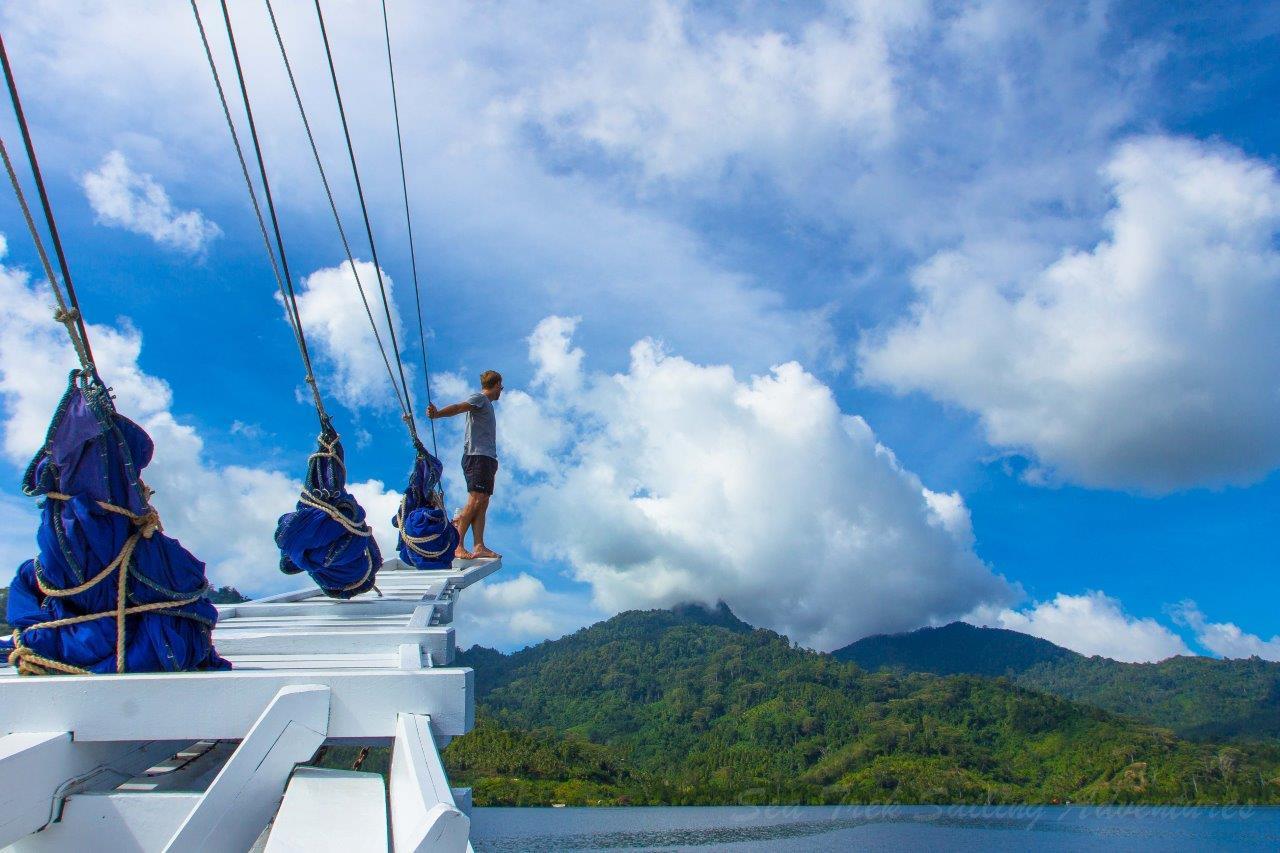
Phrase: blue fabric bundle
(98, 534)
(427, 536)
(326, 536)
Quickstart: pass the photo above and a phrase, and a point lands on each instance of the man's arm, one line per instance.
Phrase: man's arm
(449, 411)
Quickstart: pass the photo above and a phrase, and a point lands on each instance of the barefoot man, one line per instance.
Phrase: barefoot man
(479, 460)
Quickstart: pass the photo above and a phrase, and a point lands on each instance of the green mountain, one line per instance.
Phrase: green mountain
(695, 707)
(1197, 697)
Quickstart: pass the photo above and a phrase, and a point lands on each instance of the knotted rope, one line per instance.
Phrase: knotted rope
(146, 524)
(416, 543)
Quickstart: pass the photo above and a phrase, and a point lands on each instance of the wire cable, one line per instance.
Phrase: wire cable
(333, 207)
(408, 222)
(364, 210)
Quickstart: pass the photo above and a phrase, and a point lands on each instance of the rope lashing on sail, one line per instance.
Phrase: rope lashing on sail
(108, 591)
(326, 535)
(427, 536)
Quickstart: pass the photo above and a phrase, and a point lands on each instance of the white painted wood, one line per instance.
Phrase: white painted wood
(281, 639)
(239, 802)
(412, 656)
(331, 810)
(423, 814)
(116, 822)
(223, 705)
(361, 607)
(38, 769)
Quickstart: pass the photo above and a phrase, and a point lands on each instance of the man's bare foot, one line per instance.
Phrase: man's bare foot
(482, 552)
(461, 553)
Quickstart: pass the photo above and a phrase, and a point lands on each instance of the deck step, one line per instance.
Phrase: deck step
(331, 810)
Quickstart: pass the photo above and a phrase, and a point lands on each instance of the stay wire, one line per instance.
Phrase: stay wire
(364, 210)
(244, 166)
(62, 315)
(290, 298)
(342, 233)
(408, 222)
(44, 203)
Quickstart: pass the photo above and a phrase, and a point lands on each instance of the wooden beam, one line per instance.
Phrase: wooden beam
(331, 810)
(423, 814)
(38, 769)
(239, 803)
(193, 706)
(119, 822)
(284, 640)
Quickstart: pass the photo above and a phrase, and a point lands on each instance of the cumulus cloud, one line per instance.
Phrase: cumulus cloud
(676, 481)
(226, 515)
(134, 201)
(517, 611)
(1149, 361)
(1091, 624)
(338, 331)
(1225, 638)
(682, 102)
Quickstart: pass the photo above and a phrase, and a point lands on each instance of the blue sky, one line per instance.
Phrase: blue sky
(1036, 255)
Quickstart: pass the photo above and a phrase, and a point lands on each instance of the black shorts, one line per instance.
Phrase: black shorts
(480, 472)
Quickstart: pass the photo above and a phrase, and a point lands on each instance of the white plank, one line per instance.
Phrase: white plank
(194, 706)
(440, 641)
(238, 804)
(38, 769)
(331, 810)
(118, 822)
(423, 814)
(373, 607)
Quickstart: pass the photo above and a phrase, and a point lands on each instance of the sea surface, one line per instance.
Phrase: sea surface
(949, 828)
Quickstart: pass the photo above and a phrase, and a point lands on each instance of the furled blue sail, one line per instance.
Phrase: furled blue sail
(326, 536)
(427, 536)
(109, 591)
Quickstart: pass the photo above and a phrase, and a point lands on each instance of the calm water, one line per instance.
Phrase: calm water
(1121, 828)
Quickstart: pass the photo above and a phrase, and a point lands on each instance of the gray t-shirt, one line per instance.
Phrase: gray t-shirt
(482, 428)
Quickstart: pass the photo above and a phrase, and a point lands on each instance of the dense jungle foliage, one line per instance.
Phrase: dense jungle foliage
(695, 707)
(1198, 697)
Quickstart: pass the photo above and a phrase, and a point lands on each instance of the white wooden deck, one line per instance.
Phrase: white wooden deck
(204, 761)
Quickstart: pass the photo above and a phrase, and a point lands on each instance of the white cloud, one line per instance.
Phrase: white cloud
(682, 102)
(133, 201)
(1225, 638)
(226, 515)
(517, 611)
(1091, 624)
(680, 482)
(1148, 362)
(338, 332)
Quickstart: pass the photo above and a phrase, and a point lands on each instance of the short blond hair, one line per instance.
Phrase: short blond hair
(490, 378)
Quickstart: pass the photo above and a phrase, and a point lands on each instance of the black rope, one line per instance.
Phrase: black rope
(44, 201)
(342, 233)
(408, 222)
(368, 227)
(291, 301)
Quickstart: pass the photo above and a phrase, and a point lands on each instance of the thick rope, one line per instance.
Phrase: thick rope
(77, 317)
(333, 207)
(368, 227)
(64, 314)
(415, 543)
(147, 523)
(408, 222)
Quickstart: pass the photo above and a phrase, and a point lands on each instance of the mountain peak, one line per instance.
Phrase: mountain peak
(955, 648)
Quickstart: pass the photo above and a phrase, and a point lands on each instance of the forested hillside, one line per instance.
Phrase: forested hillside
(691, 706)
(1197, 697)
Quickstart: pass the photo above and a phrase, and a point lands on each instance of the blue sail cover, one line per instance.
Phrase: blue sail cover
(93, 456)
(326, 536)
(427, 536)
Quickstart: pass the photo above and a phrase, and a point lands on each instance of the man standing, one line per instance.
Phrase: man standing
(479, 460)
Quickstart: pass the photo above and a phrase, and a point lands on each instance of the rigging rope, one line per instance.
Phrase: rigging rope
(290, 298)
(408, 221)
(333, 207)
(364, 210)
(67, 317)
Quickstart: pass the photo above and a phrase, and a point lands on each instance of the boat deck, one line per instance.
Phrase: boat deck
(202, 760)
